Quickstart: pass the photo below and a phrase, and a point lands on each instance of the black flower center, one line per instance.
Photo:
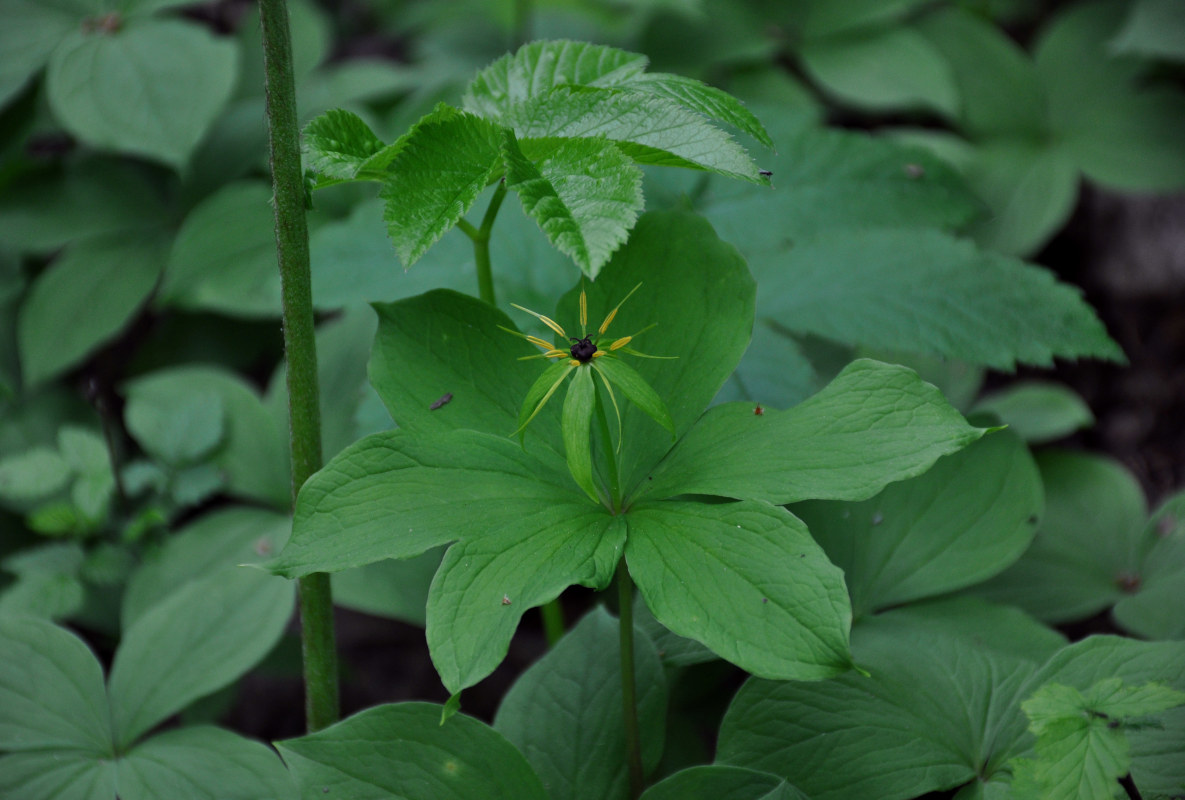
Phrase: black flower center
(583, 350)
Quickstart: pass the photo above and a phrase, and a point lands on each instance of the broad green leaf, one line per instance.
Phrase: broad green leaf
(338, 143)
(224, 257)
(1089, 548)
(720, 782)
(564, 713)
(745, 579)
(697, 291)
(49, 595)
(999, 89)
(822, 18)
(402, 751)
(86, 453)
(1074, 759)
(584, 193)
(33, 475)
(84, 300)
(1153, 29)
(51, 690)
(882, 69)
(217, 540)
(966, 519)
(774, 370)
(1156, 767)
(576, 424)
(203, 762)
(872, 425)
(626, 379)
(152, 88)
(1038, 411)
(697, 96)
(927, 292)
(940, 709)
(392, 589)
(196, 641)
(445, 162)
(1122, 129)
(648, 128)
(57, 775)
(1030, 188)
(31, 31)
(489, 580)
(254, 453)
(356, 509)
(1108, 699)
(1150, 608)
(95, 196)
(180, 433)
(675, 650)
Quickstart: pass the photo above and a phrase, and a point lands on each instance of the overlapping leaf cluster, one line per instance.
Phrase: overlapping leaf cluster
(564, 124)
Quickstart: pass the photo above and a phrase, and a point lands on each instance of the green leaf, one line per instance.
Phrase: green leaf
(648, 128)
(966, 519)
(57, 775)
(698, 292)
(1038, 411)
(33, 475)
(338, 144)
(203, 762)
(927, 292)
(51, 690)
(1089, 546)
(31, 31)
(1000, 91)
(720, 782)
(747, 580)
(224, 257)
(402, 750)
(584, 193)
(821, 18)
(576, 425)
(1149, 608)
(872, 425)
(489, 580)
(1122, 128)
(254, 453)
(564, 713)
(85, 299)
(392, 589)
(153, 88)
(217, 540)
(196, 641)
(1152, 29)
(882, 69)
(49, 595)
(940, 709)
(445, 162)
(182, 433)
(356, 509)
(697, 96)
(541, 391)
(624, 377)
(1108, 699)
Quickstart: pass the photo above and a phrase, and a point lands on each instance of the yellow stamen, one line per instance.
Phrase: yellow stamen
(583, 311)
(613, 313)
(598, 354)
(535, 340)
(620, 343)
(573, 362)
(545, 320)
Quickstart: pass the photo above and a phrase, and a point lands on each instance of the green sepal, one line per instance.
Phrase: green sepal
(576, 426)
(540, 392)
(635, 388)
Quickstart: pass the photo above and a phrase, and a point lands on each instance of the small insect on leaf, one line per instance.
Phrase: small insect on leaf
(444, 400)
(765, 173)
(505, 600)
(758, 411)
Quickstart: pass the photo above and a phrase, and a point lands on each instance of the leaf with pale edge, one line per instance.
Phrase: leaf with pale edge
(338, 143)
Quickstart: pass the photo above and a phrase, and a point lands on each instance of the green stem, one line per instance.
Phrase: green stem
(629, 700)
(481, 244)
(553, 621)
(292, 250)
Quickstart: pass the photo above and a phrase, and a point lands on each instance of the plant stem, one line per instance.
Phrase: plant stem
(292, 250)
(553, 621)
(481, 244)
(629, 700)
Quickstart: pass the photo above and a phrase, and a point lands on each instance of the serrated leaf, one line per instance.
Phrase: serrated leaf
(872, 425)
(402, 750)
(697, 96)
(927, 292)
(338, 143)
(564, 712)
(648, 128)
(86, 297)
(745, 579)
(153, 88)
(488, 581)
(445, 162)
(1108, 699)
(584, 193)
